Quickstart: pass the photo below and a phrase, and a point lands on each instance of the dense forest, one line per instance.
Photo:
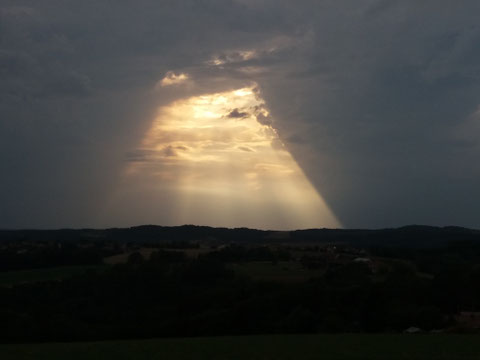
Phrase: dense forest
(152, 281)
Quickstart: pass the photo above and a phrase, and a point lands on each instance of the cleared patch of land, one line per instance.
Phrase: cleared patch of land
(265, 347)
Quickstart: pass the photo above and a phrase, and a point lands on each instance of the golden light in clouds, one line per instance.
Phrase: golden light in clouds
(216, 160)
(172, 79)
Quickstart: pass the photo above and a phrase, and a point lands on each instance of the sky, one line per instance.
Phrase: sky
(272, 114)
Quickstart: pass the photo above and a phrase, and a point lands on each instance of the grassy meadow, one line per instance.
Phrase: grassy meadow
(262, 347)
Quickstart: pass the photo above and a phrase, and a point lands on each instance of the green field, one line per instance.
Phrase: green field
(10, 278)
(274, 347)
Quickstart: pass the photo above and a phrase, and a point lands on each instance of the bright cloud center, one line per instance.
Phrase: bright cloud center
(227, 166)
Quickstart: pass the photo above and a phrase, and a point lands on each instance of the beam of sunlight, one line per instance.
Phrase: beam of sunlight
(216, 160)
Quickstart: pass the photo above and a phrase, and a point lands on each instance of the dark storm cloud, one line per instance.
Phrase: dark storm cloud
(295, 139)
(377, 100)
(76, 93)
(237, 114)
(264, 119)
(380, 101)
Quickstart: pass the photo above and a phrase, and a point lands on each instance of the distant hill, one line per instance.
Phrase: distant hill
(416, 236)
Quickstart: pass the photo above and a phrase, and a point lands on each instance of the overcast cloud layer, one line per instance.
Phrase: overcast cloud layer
(378, 101)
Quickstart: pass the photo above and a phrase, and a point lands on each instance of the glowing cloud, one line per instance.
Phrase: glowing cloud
(173, 79)
(233, 57)
(223, 164)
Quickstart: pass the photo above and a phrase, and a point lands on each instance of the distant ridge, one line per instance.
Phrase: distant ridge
(406, 236)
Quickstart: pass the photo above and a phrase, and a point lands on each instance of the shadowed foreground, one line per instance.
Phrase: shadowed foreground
(296, 347)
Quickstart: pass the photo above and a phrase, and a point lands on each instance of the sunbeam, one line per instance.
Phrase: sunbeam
(222, 164)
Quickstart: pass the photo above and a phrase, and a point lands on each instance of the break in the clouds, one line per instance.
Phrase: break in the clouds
(377, 101)
(216, 169)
